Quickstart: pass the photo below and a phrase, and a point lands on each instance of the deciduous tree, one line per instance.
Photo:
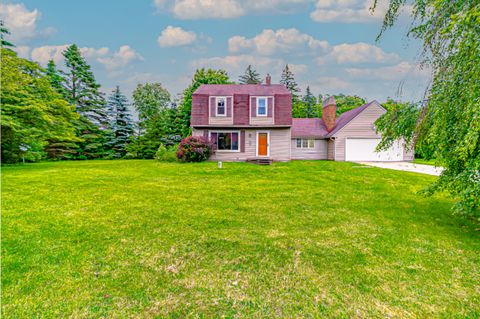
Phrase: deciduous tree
(450, 116)
(34, 115)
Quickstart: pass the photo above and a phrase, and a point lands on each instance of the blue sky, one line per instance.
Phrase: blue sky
(330, 45)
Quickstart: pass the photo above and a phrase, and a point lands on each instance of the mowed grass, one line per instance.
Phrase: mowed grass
(424, 161)
(143, 239)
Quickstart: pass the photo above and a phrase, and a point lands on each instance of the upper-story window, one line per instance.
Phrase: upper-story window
(221, 106)
(262, 106)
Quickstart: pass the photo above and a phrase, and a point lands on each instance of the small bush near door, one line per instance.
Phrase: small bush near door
(166, 153)
(194, 149)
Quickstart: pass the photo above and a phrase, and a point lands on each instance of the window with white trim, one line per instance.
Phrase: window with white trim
(262, 106)
(221, 106)
(305, 143)
(227, 141)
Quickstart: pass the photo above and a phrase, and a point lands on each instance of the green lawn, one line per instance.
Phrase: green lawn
(424, 161)
(142, 239)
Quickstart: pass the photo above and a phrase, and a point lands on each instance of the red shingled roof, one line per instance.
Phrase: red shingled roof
(250, 89)
(314, 127)
(308, 127)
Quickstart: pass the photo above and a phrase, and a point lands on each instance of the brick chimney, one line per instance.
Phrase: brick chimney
(268, 80)
(329, 113)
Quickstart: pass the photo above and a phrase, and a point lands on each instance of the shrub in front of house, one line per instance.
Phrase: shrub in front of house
(166, 153)
(194, 149)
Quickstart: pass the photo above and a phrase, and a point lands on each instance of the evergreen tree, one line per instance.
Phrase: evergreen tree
(3, 32)
(251, 76)
(310, 103)
(121, 124)
(83, 91)
(288, 80)
(56, 78)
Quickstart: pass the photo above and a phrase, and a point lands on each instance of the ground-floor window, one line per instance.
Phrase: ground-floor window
(305, 143)
(226, 141)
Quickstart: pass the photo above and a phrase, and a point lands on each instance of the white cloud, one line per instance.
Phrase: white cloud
(202, 9)
(176, 36)
(349, 11)
(46, 53)
(357, 53)
(22, 23)
(23, 51)
(396, 72)
(277, 6)
(121, 58)
(227, 9)
(269, 42)
(93, 53)
(329, 84)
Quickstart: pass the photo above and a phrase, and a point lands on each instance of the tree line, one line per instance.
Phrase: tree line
(59, 112)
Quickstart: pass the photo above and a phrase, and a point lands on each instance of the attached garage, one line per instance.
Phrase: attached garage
(364, 149)
(353, 137)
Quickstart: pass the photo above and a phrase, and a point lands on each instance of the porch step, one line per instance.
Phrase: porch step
(260, 161)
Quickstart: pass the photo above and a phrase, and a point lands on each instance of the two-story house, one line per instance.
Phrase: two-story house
(252, 121)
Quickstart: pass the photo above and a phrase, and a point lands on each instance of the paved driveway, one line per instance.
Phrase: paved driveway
(407, 166)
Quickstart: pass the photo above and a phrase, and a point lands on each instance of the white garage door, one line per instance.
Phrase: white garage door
(363, 149)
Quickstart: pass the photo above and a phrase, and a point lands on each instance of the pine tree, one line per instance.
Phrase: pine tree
(288, 80)
(83, 92)
(56, 78)
(121, 123)
(251, 76)
(3, 32)
(310, 103)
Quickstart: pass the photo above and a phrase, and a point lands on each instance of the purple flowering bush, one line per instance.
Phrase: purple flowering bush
(194, 149)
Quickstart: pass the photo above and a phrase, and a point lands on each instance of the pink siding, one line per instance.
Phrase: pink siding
(213, 137)
(270, 107)
(212, 107)
(283, 109)
(229, 106)
(253, 107)
(199, 110)
(240, 109)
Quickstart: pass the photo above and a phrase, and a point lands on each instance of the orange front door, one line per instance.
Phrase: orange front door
(262, 144)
